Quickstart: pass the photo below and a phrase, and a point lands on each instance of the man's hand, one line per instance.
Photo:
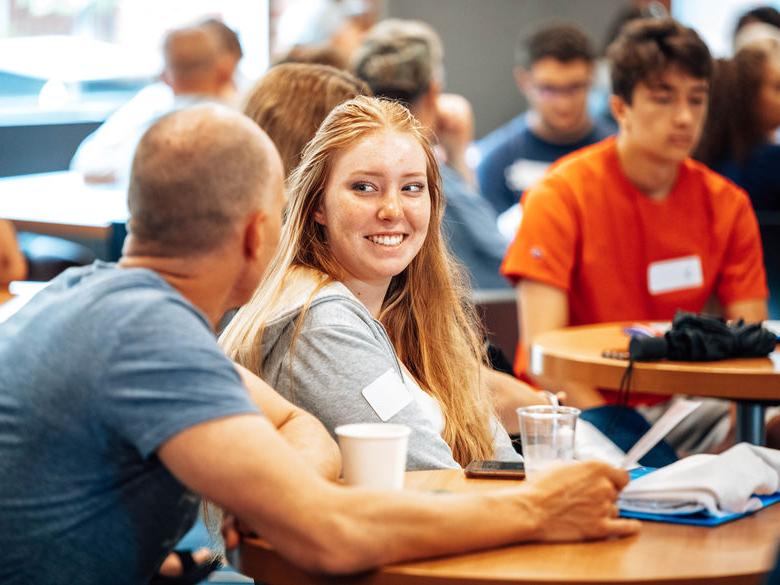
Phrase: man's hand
(578, 501)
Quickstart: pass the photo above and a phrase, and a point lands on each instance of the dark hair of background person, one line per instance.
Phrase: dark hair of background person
(645, 48)
(627, 14)
(733, 126)
(291, 101)
(766, 14)
(315, 55)
(562, 42)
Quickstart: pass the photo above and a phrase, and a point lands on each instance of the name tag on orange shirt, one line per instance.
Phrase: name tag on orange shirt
(676, 274)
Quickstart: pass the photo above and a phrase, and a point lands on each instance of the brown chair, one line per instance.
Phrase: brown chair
(498, 311)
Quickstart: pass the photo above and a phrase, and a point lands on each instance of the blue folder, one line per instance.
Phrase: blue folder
(702, 518)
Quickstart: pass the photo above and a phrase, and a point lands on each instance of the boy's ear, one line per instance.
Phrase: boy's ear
(618, 107)
(522, 80)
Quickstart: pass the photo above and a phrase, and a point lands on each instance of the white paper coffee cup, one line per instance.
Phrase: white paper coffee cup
(373, 455)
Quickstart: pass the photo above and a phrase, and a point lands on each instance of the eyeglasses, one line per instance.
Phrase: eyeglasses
(547, 91)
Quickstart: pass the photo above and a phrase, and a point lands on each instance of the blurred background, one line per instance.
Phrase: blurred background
(65, 65)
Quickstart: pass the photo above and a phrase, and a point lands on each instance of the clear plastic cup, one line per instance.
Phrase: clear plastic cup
(373, 455)
(548, 435)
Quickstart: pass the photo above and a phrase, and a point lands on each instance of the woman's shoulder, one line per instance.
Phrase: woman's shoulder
(336, 306)
(332, 306)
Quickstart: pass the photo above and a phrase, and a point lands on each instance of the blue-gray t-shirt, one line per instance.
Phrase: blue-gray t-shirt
(512, 158)
(96, 373)
(471, 230)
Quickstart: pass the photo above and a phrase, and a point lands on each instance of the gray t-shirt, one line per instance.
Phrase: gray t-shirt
(343, 369)
(96, 373)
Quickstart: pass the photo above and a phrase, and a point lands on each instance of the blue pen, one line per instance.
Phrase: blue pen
(637, 331)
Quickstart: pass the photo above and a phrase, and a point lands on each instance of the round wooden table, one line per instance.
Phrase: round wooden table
(740, 552)
(574, 354)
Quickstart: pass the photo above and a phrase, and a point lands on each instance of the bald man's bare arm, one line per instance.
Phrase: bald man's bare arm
(242, 464)
(301, 430)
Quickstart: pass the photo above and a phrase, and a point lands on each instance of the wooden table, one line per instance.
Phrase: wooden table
(740, 552)
(574, 354)
(61, 204)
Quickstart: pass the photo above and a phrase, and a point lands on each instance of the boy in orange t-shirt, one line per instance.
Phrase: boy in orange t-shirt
(631, 228)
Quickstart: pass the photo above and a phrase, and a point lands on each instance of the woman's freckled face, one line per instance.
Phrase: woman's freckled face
(376, 206)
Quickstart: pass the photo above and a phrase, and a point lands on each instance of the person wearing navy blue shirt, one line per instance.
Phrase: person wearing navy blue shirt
(554, 72)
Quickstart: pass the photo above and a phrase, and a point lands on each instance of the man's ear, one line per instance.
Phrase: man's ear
(522, 80)
(253, 234)
(434, 91)
(225, 69)
(166, 78)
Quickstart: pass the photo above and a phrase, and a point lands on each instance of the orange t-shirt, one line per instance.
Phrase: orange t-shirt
(588, 230)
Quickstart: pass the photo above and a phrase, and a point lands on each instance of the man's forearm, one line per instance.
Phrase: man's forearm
(349, 530)
(308, 437)
(415, 527)
(353, 530)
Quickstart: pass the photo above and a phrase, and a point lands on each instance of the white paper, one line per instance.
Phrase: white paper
(676, 274)
(387, 395)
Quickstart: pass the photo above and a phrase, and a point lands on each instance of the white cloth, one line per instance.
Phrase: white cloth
(108, 152)
(721, 484)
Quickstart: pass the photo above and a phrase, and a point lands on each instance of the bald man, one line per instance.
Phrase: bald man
(118, 406)
(199, 66)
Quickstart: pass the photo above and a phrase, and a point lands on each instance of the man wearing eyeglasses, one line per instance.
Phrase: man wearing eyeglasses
(633, 229)
(554, 72)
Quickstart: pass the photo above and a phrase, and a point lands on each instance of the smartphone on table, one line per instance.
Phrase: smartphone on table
(496, 469)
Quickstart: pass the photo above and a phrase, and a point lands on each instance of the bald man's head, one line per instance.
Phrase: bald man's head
(192, 61)
(197, 175)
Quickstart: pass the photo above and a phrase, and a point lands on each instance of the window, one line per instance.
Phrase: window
(80, 59)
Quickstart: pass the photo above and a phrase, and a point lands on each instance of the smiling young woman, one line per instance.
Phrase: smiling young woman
(362, 317)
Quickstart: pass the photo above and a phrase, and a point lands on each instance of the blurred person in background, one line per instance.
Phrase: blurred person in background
(332, 28)
(744, 115)
(601, 226)
(756, 24)
(13, 265)
(292, 99)
(554, 71)
(200, 65)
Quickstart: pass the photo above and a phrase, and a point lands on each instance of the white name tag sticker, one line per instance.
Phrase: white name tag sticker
(387, 395)
(677, 274)
(524, 174)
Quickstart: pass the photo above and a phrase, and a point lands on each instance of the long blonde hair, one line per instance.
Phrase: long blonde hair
(431, 324)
